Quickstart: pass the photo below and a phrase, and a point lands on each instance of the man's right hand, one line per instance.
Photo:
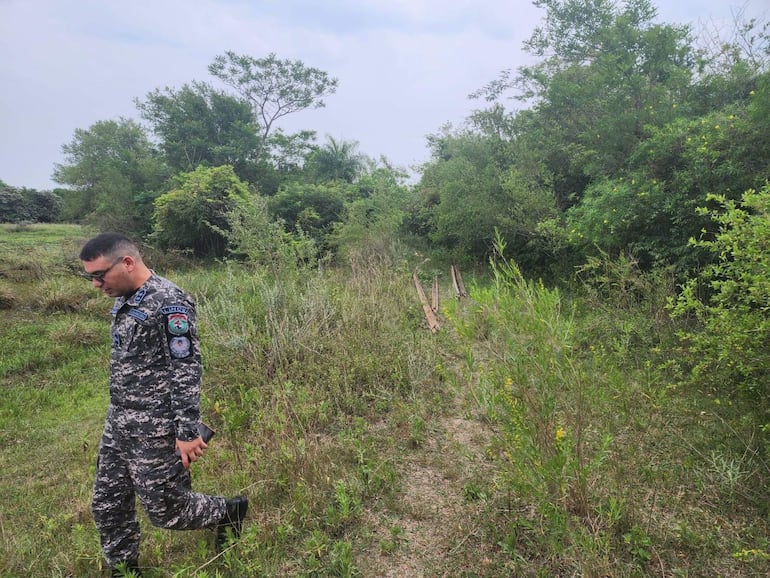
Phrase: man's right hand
(190, 451)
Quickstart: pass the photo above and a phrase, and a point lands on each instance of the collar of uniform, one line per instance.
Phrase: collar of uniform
(135, 298)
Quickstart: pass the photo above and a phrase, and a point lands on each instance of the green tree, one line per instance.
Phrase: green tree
(193, 215)
(256, 238)
(470, 190)
(729, 60)
(373, 221)
(273, 87)
(13, 205)
(198, 125)
(115, 173)
(290, 152)
(22, 204)
(605, 72)
(312, 208)
(335, 160)
(46, 205)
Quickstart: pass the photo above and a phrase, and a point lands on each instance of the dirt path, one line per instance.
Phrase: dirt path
(430, 531)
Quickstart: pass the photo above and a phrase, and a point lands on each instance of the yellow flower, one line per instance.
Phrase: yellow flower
(560, 433)
(508, 381)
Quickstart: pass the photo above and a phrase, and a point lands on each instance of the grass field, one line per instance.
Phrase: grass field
(537, 434)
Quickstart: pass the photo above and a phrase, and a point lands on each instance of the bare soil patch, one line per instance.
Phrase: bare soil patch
(432, 527)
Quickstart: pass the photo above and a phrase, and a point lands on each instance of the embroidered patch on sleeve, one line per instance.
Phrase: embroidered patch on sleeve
(169, 309)
(179, 347)
(177, 324)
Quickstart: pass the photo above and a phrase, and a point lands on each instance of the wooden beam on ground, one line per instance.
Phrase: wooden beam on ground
(457, 282)
(429, 314)
(434, 304)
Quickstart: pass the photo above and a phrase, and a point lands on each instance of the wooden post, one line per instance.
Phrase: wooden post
(434, 302)
(429, 315)
(457, 282)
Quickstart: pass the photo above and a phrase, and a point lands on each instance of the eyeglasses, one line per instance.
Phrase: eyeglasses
(99, 275)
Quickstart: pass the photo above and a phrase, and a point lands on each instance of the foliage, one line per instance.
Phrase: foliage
(253, 236)
(192, 215)
(289, 153)
(729, 349)
(273, 87)
(601, 81)
(652, 211)
(628, 126)
(312, 208)
(115, 173)
(335, 161)
(198, 125)
(471, 196)
(631, 215)
(729, 62)
(372, 222)
(18, 205)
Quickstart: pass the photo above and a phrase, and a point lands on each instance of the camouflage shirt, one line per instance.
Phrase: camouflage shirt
(155, 367)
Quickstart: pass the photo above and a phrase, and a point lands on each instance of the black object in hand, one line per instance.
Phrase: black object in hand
(205, 432)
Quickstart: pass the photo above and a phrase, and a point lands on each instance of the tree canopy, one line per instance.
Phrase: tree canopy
(197, 125)
(273, 87)
(115, 173)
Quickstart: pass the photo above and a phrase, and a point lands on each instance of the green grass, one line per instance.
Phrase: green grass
(295, 372)
(549, 433)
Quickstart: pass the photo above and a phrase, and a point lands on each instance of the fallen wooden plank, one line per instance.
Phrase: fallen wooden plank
(429, 314)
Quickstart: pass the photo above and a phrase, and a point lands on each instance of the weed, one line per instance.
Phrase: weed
(322, 383)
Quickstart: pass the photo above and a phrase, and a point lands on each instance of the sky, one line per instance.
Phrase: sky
(405, 67)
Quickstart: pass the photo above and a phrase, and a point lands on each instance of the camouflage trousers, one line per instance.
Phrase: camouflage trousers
(147, 468)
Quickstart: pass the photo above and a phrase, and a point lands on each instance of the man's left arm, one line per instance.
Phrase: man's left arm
(180, 326)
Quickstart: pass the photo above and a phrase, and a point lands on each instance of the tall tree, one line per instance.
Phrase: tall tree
(470, 196)
(273, 87)
(335, 160)
(115, 172)
(605, 72)
(198, 125)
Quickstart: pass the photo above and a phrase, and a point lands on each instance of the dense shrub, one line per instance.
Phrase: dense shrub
(730, 348)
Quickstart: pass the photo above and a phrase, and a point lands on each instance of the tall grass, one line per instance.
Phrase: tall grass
(324, 382)
(599, 453)
(301, 372)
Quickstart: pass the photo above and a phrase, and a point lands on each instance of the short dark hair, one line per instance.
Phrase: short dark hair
(108, 245)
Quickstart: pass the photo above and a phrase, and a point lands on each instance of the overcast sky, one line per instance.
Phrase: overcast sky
(405, 67)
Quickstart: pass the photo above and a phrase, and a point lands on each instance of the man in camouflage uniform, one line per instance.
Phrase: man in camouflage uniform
(151, 431)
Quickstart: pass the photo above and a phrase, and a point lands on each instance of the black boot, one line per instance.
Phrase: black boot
(127, 569)
(231, 523)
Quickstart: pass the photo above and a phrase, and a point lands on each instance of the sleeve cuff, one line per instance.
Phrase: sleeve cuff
(187, 432)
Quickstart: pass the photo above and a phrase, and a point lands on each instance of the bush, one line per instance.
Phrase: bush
(730, 348)
(192, 215)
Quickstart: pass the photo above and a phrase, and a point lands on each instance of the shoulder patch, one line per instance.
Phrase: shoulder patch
(179, 347)
(169, 309)
(177, 323)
